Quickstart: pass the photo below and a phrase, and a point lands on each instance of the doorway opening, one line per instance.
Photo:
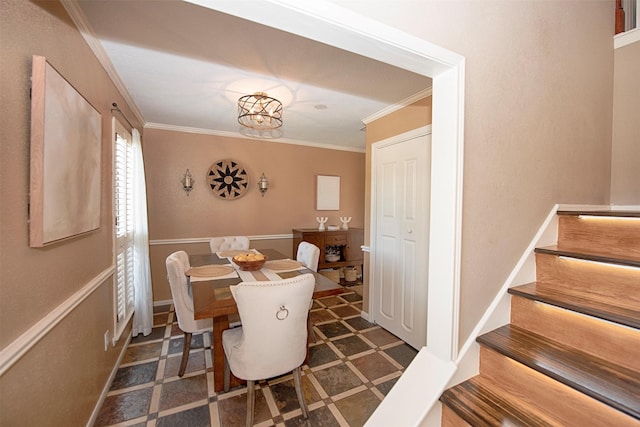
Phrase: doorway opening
(335, 26)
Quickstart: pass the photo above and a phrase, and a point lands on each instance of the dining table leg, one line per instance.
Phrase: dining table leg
(220, 323)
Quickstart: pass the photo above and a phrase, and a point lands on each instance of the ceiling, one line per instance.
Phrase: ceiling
(185, 66)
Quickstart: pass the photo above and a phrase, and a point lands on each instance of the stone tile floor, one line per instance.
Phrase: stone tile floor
(352, 366)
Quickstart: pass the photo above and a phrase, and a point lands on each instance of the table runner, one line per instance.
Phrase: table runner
(266, 274)
(258, 276)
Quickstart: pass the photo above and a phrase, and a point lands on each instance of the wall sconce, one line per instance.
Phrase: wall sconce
(187, 182)
(263, 184)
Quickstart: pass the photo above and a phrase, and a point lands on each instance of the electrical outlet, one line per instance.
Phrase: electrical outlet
(106, 340)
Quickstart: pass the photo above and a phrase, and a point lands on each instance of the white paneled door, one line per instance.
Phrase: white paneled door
(400, 244)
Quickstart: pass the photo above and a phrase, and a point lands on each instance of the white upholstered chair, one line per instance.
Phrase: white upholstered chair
(177, 263)
(273, 338)
(183, 257)
(309, 255)
(228, 243)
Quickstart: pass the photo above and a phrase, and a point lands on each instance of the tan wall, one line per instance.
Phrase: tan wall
(625, 161)
(408, 118)
(59, 380)
(290, 201)
(537, 125)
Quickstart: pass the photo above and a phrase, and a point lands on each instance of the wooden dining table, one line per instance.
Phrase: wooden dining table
(212, 299)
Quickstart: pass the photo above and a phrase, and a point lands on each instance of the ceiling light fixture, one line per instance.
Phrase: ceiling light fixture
(259, 111)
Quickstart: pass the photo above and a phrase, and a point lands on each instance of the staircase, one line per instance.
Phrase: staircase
(571, 354)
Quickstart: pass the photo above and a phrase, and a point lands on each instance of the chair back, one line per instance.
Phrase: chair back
(308, 255)
(228, 243)
(182, 299)
(274, 326)
(183, 257)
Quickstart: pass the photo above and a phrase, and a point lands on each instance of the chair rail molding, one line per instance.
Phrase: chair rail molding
(25, 342)
(190, 240)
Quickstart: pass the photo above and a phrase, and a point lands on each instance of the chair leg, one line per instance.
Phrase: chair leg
(310, 331)
(185, 353)
(227, 374)
(311, 336)
(250, 402)
(297, 381)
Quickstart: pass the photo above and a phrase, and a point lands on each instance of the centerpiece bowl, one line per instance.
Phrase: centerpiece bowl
(247, 263)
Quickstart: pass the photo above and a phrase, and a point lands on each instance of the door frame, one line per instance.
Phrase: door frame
(376, 147)
(329, 23)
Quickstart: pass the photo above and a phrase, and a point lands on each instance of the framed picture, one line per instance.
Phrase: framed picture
(66, 136)
(328, 193)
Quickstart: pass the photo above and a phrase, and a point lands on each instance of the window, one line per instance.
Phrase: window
(124, 227)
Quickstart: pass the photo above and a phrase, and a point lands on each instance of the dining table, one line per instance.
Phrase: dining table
(212, 298)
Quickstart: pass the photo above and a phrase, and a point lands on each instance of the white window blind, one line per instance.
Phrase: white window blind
(123, 176)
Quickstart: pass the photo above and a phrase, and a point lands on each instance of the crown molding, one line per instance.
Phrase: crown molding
(395, 107)
(74, 11)
(200, 131)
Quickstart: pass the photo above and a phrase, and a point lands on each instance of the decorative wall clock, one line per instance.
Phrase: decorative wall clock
(228, 179)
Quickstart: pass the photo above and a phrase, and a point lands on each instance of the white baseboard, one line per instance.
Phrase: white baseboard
(612, 207)
(625, 207)
(107, 386)
(163, 302)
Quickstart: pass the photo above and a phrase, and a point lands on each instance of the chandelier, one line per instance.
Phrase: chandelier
(259, 111)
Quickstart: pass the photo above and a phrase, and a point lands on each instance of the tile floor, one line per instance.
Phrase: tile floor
(352, 366)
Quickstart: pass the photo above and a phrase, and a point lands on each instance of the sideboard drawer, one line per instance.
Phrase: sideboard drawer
(336, 239)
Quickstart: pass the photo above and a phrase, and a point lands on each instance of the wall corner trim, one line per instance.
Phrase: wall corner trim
(21, 345)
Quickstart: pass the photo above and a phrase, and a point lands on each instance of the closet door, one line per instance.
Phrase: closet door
(400, 223)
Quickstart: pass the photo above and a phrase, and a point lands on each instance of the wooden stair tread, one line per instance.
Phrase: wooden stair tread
(589, 255)
(603, 213)
(585, 303)
(479, 405)
(600, 379)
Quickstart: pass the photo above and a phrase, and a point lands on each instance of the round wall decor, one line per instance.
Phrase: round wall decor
(228, 179)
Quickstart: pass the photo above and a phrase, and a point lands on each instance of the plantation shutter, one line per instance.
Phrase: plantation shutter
(124, 174)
